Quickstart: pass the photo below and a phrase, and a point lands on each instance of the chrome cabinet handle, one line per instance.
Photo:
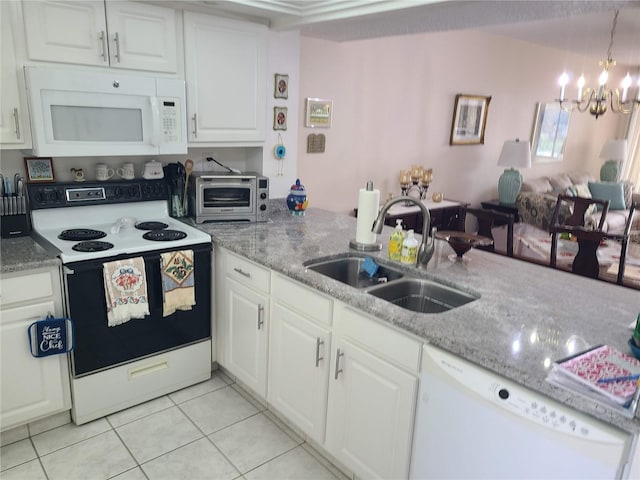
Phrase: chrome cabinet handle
(241, 272)
(195, 125)
(16, 120)
(116, 40)
(338, 369)
(260, 315)
(318, 357)
(104, 46)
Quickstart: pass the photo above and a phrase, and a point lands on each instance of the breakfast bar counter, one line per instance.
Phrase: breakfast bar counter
(527, 315)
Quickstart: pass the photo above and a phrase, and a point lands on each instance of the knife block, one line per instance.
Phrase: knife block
(15, 226)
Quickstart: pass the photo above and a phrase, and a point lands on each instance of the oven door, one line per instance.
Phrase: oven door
(98, 346)
(226, 197)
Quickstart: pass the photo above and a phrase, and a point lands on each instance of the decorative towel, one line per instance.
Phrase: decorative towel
(178, 291)
(125, 288)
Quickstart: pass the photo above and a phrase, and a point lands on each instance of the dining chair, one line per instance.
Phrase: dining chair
(487, 220)
(623, 238)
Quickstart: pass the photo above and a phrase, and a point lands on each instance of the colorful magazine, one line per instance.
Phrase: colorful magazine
(600, 363)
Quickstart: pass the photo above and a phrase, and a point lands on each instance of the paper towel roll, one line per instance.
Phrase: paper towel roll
(368, 204)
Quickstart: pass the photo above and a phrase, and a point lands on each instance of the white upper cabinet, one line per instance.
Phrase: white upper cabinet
(118, 34)
(14, 121)
(225, 71)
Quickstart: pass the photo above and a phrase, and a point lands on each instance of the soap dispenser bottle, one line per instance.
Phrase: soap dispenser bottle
(409, 254)
(395, 242)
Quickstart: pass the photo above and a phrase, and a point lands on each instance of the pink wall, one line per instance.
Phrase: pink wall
(393, 102)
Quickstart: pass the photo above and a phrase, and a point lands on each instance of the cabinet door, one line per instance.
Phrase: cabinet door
(142, 37)
(66, 31)
(32, 387)
(225, 71)
(370, 413)
(247, 336)
(298, 370)
(14, 123)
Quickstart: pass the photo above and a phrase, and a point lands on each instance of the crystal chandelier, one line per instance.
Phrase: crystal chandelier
(596, 100)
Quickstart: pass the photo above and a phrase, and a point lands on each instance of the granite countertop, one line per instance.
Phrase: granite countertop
(527, 315)
(24, 253)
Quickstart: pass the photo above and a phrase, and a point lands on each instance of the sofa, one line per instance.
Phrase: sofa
(537, 200)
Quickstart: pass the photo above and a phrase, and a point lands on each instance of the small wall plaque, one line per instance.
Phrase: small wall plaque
(316, 143)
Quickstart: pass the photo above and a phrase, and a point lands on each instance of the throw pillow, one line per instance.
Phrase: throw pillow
(582, 190)
(611, 191)
(581, 177)
(628, 192)
(560, 182)
(571, 191)
(539, 185)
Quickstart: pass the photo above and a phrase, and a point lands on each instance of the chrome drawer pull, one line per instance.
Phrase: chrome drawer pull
(318, 357)
(195, 125)
(104, 46)
(241, 272)
(338, 369)
(116, 40)
(260, 315)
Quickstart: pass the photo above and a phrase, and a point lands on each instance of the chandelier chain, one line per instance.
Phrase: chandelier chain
(613, 32)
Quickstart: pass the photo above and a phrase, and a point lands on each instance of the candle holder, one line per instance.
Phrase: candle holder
(418, 179)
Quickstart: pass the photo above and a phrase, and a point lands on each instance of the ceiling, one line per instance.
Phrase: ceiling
(580, 26)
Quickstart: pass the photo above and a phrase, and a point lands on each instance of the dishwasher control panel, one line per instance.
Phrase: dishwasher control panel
(513, 398)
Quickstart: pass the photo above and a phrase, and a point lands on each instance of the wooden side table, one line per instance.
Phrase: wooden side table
(502, 207)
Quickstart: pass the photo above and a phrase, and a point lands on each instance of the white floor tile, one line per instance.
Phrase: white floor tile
(219, 409)
(27, 471)
(97, 458)
(158, 434)
(216, 382)
(16, 454)
(139, 411)
(252, 442)
(133, 474)
(13, 435)
(66, 435)
(198, 460)
(294, 465)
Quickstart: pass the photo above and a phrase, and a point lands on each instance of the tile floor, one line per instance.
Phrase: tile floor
(212, 430)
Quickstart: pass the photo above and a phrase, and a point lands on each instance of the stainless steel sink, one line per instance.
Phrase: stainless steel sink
(349, 270)
(421, 295)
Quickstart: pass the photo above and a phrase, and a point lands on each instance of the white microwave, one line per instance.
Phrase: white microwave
(81, 113)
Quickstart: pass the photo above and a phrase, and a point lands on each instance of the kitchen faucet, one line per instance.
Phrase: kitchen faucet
(425, 251)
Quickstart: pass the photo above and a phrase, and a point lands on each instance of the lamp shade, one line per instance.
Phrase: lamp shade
(515, 154)
(615, 149)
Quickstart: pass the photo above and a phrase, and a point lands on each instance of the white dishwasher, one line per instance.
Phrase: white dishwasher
(473, 424)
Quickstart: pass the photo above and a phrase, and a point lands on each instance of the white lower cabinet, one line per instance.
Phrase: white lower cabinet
(299, 355)
(371, 406)
(246, 319)
(32, 387)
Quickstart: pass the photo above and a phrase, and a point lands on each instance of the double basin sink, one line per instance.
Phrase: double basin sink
(391, 284)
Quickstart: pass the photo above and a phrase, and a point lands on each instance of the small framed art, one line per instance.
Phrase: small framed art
(318, 113)
(39, 170)
(469, 119)
(281, 86)
(279, 118)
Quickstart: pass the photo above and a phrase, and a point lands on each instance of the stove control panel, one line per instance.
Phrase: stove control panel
(54, 195)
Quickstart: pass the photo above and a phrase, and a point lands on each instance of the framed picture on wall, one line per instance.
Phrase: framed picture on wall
(279, 118)
(469, 119)
(319, 113)
(39, 170)
(281, 86)
(549, 132)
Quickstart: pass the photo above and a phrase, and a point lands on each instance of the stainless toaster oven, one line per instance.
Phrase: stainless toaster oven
(229, 197)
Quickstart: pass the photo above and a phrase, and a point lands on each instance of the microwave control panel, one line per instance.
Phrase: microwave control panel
(169, 117)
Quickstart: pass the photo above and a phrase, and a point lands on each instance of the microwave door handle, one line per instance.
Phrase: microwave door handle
(155, 115)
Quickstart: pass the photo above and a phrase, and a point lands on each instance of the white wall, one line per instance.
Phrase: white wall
(393, 103)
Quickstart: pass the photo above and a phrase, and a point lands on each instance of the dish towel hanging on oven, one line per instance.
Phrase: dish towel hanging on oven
(178, 291)
(125, 288)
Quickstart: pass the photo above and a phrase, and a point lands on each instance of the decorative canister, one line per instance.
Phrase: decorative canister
(297, 200)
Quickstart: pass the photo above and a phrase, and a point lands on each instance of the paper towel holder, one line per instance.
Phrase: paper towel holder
(366, 247)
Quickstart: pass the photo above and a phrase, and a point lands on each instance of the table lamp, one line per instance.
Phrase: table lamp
(514, 154)
(614, 152)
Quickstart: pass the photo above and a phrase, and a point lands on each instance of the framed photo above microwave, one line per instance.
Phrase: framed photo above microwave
(469, 119)
(39, 169)
(281, 86)
(318, 113)
(280, 118)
